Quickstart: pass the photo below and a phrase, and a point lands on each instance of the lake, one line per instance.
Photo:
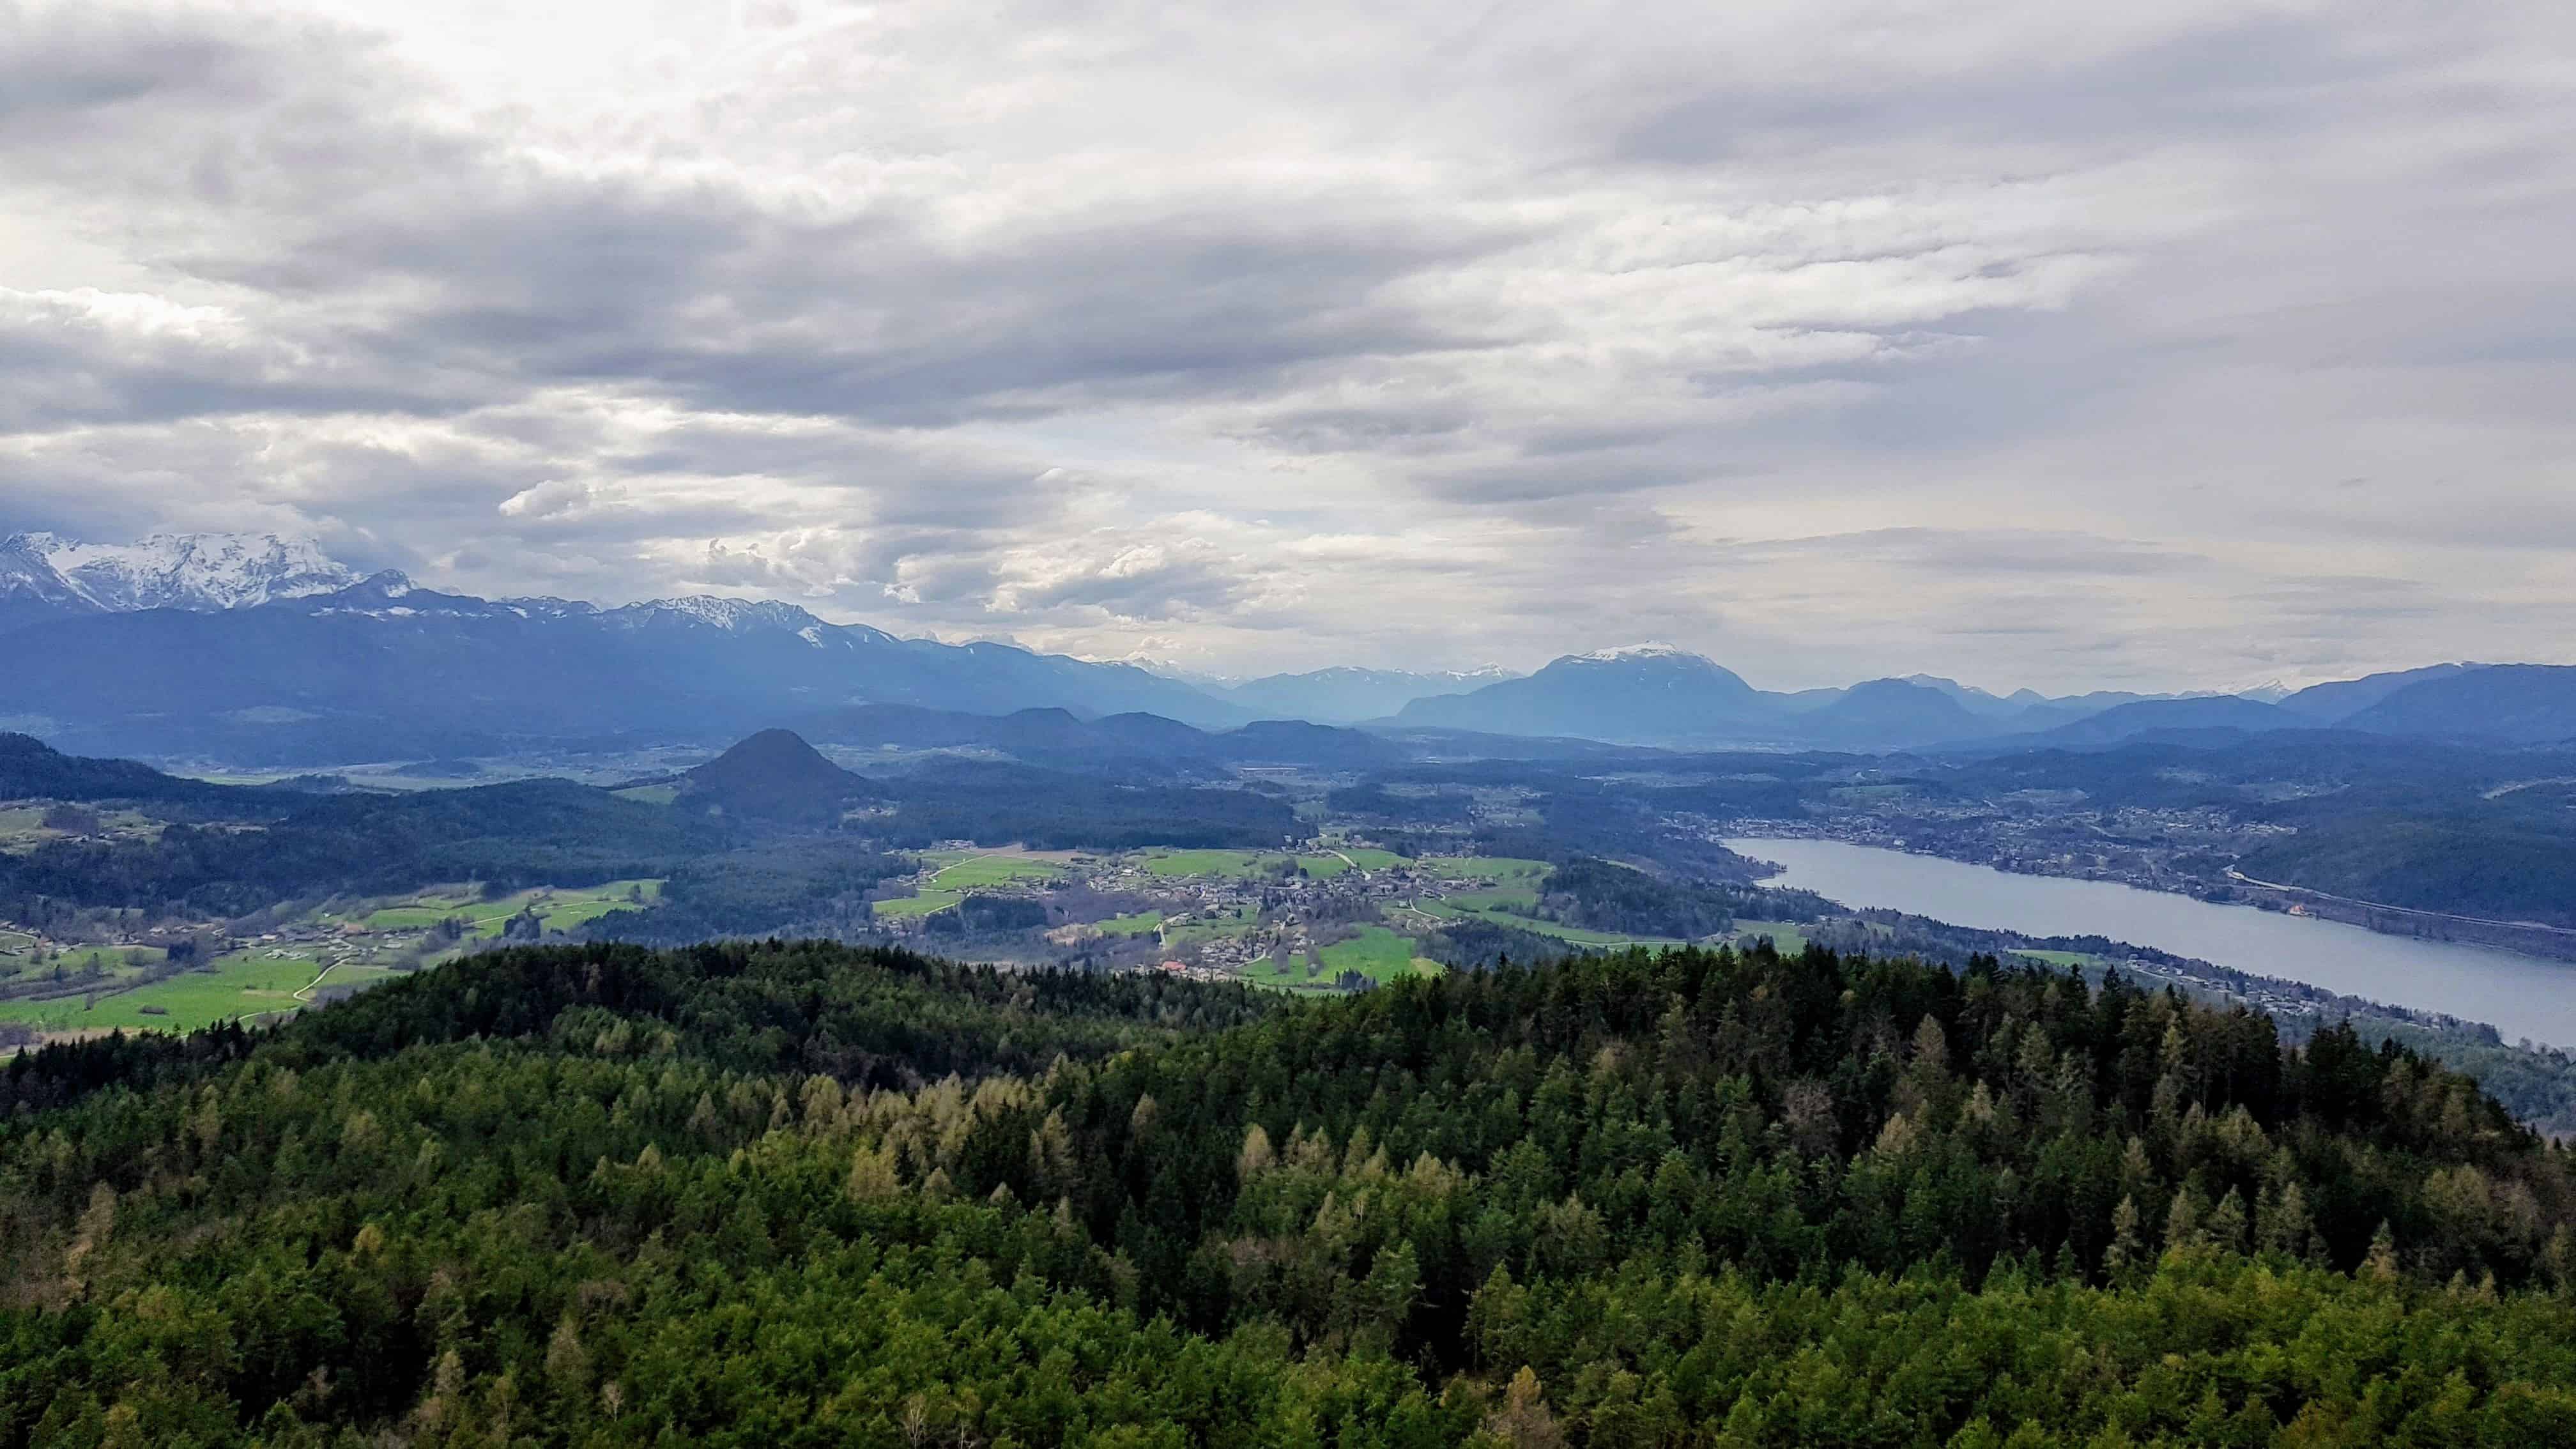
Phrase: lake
(2522, 995)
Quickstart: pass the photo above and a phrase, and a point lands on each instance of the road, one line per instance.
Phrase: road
(2241, 878)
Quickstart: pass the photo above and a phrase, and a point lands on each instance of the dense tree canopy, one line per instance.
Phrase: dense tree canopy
(806, 1194)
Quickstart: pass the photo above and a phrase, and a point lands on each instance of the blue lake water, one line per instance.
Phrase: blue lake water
(2523, 996)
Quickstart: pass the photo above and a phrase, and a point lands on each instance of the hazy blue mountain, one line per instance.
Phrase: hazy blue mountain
(1645, 694)
(1059, 738)
(1978, 702)
(1659, 695)
(2163, 717)
(2521, 704)
(385, 670)
(1297, 742)
(2341, 700)
(1891, 714)
(1346, 695)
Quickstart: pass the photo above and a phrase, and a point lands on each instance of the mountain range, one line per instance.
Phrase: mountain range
(45, 576)
(382, 670)
(262, 650)
(1345, 694)
(1658, 695)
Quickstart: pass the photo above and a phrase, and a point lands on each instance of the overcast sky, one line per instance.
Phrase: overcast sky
(2036, 344)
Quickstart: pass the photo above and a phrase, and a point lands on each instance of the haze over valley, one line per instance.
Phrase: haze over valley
(793, 722)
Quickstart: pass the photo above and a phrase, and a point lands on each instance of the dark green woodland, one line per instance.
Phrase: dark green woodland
(804, 1194)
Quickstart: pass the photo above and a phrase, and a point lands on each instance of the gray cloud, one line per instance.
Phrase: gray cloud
(2025, 343)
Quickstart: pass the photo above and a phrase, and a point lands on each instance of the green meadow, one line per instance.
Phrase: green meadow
(1143, 923)
(979, 871)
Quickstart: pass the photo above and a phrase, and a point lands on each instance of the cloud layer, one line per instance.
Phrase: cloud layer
(2034, 346)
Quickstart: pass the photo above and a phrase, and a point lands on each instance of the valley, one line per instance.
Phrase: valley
(896, 964)
(801, 725)
(278, 963)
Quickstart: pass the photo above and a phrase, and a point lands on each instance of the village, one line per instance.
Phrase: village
(1326, 916)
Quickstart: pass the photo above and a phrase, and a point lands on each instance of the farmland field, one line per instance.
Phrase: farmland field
(245, 983)
(1495, 870)
(993, 870)
(24, 826)
(1785, 938)
(1233, 864)
(1378, 954)
(1143, 923)
(1327, 864)
(915, 905)
(1453, 909)
(1243, 864)
(354, 945)
(558, 908)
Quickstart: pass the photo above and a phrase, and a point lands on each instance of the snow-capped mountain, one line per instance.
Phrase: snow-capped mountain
(387, 669)
(733, 616)
(45, 575)
(1648, 650)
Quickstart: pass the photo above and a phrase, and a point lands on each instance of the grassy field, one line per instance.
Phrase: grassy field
(1210, 925)
(244, 983)
(1241, 864)
(955, 872)
(992, 870)
(558, 908)
(1378, 954)
(1494, 870)
(1504, 899)
(115, 960)
(1289, 976)
(1143, 923)
(1453, 909)
(361, 943)
(2063, 958)
(650, 794)
(23, 827)
(1232, 864)
(1327, 864)
(1787, 939)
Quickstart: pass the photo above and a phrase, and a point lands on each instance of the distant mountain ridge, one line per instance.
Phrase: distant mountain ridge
(2518, 704)
(1058, 737)
(1661, 696)
(1640, 694)
(262, 649)
(1346, 694)
(1665, 696)
(2342, 699)
(384, 669)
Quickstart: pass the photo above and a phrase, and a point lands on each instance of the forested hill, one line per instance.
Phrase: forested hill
(805, 1194)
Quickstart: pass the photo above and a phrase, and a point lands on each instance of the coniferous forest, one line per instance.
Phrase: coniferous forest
(793, 1194)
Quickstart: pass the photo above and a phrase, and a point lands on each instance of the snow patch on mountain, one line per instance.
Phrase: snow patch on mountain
(731, 615)
(197, 571)
(1649, 650)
